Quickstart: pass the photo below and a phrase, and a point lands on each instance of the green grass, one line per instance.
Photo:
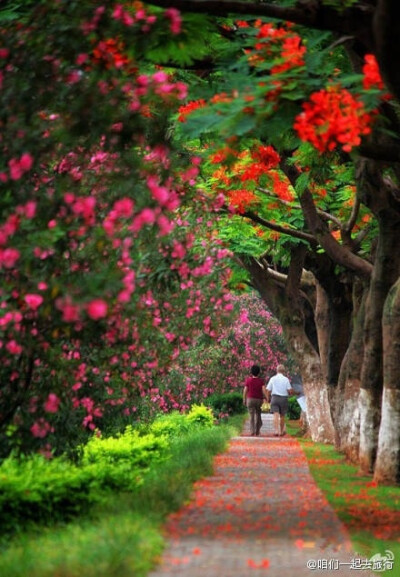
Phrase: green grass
(123, 537)
(371, 513)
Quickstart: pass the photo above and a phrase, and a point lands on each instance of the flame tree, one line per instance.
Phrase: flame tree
(297, 108)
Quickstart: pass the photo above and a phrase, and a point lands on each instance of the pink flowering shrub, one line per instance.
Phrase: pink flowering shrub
(105, 280)
(221, 365)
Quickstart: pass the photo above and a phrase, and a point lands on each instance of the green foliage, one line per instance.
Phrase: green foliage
(128, 447)
(369, 512)
(294, 410)
(200, 415)
(36, 489)
(123, 536)
(189, 46)
(226, 403)
(119, 545)
(170, 425)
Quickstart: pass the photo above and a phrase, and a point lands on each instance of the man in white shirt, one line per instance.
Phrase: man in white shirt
(278, 390)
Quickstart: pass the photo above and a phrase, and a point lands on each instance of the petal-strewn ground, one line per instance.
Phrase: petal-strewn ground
(260, 513)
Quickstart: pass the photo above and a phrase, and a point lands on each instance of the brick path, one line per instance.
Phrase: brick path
(260, 513)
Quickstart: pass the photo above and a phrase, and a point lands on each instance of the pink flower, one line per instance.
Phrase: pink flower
(159, 193)
(33, 301)
(176, 21)
(124, 207)
(160, 76)
(164, 224)
(85, 206)
(15, 169)
(26, 161)
(52, 403)
(178, 251)
(13, 347)
(18, 167)
(28, 210)
(9, 257)
(97, 309)
(41, 428)
(70, 311)
(81, 58)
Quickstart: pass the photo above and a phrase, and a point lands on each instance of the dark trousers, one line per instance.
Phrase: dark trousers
(254, 407)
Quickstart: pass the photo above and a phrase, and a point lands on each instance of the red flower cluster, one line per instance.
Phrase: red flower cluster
(372, 75)
(241, 199)
(253, 172)
(185, 110)
(267, 155)
(281, 187)
(281, 44)
(333, 116)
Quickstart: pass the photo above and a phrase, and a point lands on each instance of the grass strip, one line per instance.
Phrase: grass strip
(123, 537)
(370, 513)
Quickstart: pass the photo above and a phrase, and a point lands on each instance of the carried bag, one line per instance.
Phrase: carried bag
(265, 407)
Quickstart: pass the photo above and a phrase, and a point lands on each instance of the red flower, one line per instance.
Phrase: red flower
(185, 110)
(331, 117)
(372, 75)
(241, 199)
(267, 155)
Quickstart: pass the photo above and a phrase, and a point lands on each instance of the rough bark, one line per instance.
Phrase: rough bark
(383, 201)
(387, 468)
(322, 324)
(345, 401)
(386, 39)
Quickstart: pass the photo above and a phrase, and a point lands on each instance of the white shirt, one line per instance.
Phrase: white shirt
(279, 385)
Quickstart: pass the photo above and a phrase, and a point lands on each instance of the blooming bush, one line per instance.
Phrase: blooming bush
(100, 235)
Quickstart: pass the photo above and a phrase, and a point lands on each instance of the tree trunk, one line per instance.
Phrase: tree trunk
(386, 263)
(322, 324)
(289, 311)
(379, 194)
(345, 407)
(387, 468)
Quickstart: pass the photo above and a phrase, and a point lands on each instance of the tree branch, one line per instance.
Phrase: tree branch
(295, 271)
(278, 228)
(337, 252)
(348, 227)
(322, 213)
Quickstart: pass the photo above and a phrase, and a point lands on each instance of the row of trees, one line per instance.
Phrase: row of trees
(300, 127)
(119, 185)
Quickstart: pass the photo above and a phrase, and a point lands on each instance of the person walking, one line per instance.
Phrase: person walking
(278, 391)
(254, 393)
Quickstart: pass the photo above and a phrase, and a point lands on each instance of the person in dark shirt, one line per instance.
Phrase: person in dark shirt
(254, 393)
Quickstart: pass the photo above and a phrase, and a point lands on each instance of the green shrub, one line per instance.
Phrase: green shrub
(35, 489)
(170, 425)
(122, 536)
(200, 415)
(129, 447)
(227, 403)
(294, 410)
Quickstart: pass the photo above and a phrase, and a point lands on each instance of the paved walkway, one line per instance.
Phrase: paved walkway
(260, 513)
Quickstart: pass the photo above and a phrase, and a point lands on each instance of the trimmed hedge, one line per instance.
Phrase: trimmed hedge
(34, 489)
(226, 403)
